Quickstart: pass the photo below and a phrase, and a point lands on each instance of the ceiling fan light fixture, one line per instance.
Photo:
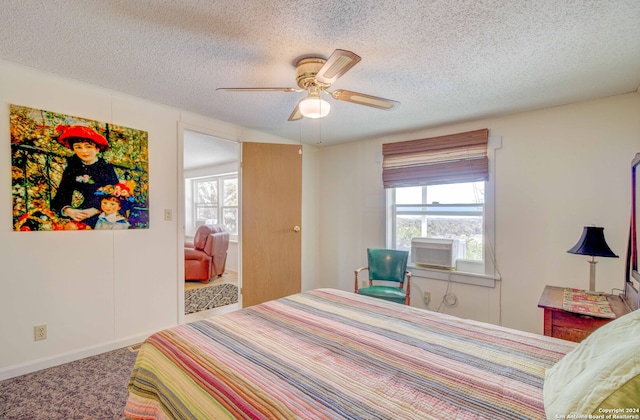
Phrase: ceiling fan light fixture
(314, 107)
(315, 75)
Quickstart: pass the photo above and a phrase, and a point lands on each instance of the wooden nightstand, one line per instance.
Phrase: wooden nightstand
(568, 325)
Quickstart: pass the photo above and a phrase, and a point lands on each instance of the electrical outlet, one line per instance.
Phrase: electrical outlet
(40, 332)
(427, 297)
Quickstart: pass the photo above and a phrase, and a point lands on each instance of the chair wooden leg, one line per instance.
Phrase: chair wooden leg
(407, 300)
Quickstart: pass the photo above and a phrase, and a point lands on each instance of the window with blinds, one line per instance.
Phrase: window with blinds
(436, 189)
(450, 159)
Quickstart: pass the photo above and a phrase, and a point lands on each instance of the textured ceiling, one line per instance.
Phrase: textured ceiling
(445, 61)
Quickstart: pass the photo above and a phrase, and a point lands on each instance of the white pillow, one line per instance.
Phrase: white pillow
(600, 375)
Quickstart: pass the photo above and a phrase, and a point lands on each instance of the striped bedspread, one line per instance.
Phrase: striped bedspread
(330, 354)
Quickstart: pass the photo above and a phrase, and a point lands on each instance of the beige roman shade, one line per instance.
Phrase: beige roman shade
(448, 159)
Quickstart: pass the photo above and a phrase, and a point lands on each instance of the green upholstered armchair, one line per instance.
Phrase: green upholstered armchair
(387, 266)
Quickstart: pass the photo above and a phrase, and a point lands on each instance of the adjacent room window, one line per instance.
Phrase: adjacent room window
(436, 189)
(215, 201)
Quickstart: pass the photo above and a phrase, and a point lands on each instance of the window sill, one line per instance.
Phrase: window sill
(483, 280)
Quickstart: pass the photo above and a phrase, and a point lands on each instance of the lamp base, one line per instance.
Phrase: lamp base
(592, 274)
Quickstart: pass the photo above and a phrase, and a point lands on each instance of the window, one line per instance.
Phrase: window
(451, 211)
(215, 201)
(436, 189)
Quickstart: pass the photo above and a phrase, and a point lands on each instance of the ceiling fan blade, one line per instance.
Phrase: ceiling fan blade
(262, 89)
(296, 114)
(338, 64)
(362, 99)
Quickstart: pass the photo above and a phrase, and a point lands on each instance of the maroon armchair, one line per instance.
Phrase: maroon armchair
(206, 256)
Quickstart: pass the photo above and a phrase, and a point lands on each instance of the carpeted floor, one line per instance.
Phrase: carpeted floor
(92, 388)
(96, 387)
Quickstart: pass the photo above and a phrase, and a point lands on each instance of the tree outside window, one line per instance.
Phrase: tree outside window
(448, 211)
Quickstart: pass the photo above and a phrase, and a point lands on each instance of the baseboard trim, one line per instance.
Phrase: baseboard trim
(36, 365)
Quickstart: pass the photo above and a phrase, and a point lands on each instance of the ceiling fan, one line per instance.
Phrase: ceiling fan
(315, 75)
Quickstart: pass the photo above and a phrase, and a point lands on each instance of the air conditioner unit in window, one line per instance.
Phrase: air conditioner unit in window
(434, 252)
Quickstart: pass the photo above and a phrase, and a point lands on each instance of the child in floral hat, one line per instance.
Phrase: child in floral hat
(85, 172)
(114, 201)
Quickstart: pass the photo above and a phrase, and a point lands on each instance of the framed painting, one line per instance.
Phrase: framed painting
(72, 173)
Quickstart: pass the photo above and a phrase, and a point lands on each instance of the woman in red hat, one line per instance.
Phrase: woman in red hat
(84, 174)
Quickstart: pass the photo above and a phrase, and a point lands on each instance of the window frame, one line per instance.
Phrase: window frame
(195, 183)
(220, 206)
(489, 274)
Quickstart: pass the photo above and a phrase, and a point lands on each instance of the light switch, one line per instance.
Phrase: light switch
(168, 215)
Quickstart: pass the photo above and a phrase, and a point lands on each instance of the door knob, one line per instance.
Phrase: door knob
(296, 229)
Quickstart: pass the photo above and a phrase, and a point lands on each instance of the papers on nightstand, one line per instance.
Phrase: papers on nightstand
(587, 303)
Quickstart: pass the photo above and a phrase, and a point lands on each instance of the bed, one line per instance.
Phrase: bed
(333, 354)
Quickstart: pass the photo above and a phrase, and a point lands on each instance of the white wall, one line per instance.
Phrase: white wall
(310, 219)
(97, 291)
(559, 169)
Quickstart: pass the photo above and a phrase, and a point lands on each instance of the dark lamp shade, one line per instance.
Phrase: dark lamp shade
(592, 243)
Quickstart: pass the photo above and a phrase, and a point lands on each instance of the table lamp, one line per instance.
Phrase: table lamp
(592, 243)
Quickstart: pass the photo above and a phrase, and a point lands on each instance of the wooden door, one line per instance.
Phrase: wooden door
(271, 218)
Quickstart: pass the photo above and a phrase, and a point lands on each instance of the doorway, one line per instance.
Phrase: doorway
(211, 197)
(269, 187)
